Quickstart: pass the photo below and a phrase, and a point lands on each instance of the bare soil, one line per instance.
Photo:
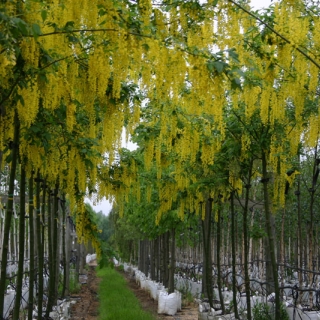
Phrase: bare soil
(86, 302)
(86, 307)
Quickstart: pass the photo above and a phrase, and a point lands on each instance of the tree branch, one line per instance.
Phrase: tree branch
(89, 30)
(276, 32)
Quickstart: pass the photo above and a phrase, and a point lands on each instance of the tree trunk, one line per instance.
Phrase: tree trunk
(157, 256)
(31, 251)
(311, 264)
(64, 248)
(141, 252)
(233, 245)
(146, 257)
(152, 260)
(282, 248)
(245, 240)
(56, 243)
(67, 258)
(17, 302)
(52, 238)
(270, 233)
(300, 242)
(219, 258)
(172, 262)
(39, 228)
(9, 212)
(165, 259)
(207, 258)
(50, 255)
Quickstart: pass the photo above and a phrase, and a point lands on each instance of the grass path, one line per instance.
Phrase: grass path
(117, 302)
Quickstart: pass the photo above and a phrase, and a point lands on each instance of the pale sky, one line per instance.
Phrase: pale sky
(258, 4)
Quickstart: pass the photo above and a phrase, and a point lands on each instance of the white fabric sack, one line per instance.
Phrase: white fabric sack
(25, 298)
(88, 258)
(153, 290)
(167, 304)
(148, 285)
(8, 303)
(143, 283)
(179, 300)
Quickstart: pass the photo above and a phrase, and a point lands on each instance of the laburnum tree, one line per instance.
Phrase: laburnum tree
(71, 73)
(262, 69)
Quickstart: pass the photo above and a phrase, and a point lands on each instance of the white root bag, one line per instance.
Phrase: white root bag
(167, 304)
(160, 288)
(153, 290)
(179, 300)
(148, 286)
(8, 303)
(143, 283)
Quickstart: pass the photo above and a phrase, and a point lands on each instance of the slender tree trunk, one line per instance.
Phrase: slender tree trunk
(172, 262)
(142, 256)
(219, 258)
(31, 251)
(9, 211)
(140, 265)
(207, 258)
(51, 252)
(77, 265)
(68, 251)
(17, 302)
(246, 242)
(300, 242)
(261, 255)
(233, 245)
(152, 260)
(270, 233)
(157, 257)
(64, 248)
(39, 231)
(58, 240)
(146, 257)
(164, 259)
(282, 248)
(312, 191)
(55, 243)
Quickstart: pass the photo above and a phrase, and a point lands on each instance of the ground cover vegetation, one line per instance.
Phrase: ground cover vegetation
(221, 100)
(116, 301)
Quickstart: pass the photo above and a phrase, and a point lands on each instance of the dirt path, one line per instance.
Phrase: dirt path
(87, 303)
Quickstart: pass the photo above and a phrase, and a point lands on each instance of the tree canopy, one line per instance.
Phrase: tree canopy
(175, 72)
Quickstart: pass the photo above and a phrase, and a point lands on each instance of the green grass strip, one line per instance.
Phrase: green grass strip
(117, 302)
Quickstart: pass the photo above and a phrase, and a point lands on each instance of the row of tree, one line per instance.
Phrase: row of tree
(231, 233)
(45, 253)
(217, 96)
(249, 141)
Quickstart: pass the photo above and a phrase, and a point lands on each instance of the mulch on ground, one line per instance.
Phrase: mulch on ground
(85, 304)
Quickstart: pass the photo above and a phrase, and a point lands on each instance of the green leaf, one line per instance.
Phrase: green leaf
(36, 30)
(23, 27)
(20, 98)
(8, 158)
(218, 65)
(69, 25)
(145, 47)
(44, 14)
(235, 83)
